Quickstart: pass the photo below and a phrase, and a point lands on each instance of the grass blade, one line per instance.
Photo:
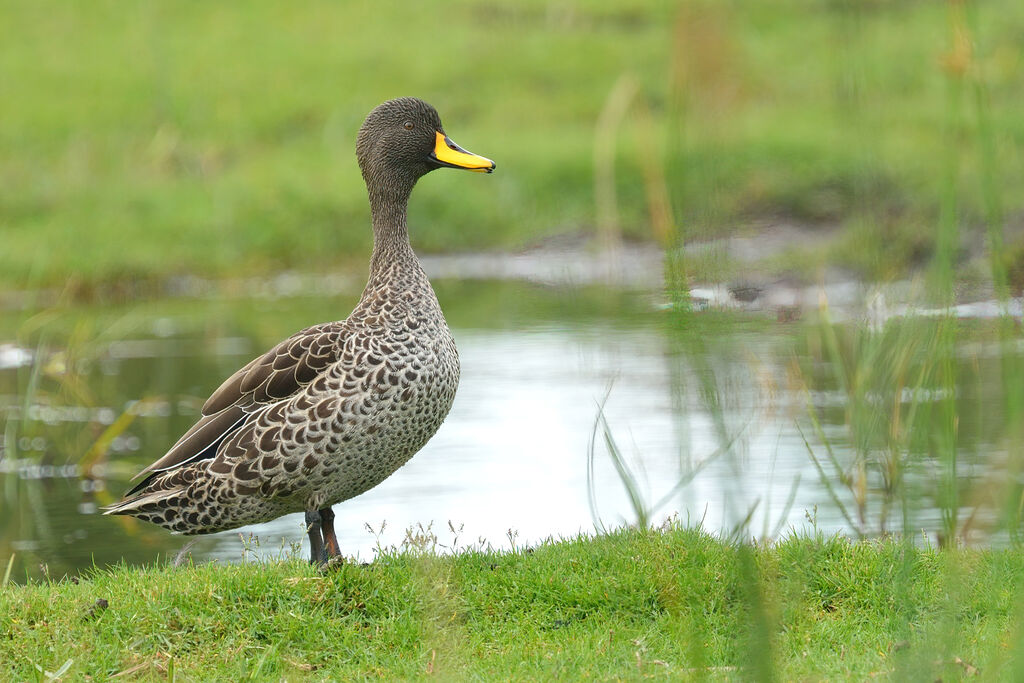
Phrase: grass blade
(7, 573)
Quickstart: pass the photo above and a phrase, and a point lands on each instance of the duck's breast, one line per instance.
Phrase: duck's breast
(388, 395)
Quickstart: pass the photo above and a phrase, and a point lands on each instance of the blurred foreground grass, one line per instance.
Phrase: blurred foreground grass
(171, 137)
(675, 604)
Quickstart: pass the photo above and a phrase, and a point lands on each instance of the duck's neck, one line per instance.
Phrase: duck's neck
(390, 232)
(397, 288)
(393, 257)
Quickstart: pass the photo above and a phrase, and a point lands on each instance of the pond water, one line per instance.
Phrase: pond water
(708, 413)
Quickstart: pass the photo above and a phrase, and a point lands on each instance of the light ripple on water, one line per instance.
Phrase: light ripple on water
(512, 456)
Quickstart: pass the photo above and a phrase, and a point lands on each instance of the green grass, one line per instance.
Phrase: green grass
(180, 137)
(669, 605)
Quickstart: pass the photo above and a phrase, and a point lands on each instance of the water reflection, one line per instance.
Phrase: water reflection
(510, 465)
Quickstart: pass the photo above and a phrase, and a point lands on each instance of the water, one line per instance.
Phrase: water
(510, 465)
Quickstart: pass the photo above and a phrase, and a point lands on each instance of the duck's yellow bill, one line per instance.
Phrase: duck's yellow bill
(447, 153)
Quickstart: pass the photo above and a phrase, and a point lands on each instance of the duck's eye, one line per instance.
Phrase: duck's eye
(409, 125)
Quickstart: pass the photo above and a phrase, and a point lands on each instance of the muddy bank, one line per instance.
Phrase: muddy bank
(751, 271)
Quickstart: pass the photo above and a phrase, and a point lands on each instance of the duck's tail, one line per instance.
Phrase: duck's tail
(141, 503)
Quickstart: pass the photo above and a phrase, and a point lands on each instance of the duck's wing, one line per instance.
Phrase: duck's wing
(282, 371)
(278, 374)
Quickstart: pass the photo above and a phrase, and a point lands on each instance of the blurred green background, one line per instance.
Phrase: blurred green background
(146, 139)
(866, 145)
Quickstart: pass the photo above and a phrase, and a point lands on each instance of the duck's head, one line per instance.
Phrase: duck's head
(402, 140)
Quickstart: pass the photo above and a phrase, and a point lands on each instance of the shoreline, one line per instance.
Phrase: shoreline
(630, 604)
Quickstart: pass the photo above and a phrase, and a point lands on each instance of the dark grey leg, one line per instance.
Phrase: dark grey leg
(317, 555)
(331, 546)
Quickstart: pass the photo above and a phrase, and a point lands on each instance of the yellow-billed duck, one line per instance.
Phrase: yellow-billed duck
(335, 409)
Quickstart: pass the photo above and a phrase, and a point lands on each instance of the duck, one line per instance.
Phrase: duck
(337, 408)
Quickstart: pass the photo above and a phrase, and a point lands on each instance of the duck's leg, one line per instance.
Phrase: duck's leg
(331, 546)
(316, 539)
